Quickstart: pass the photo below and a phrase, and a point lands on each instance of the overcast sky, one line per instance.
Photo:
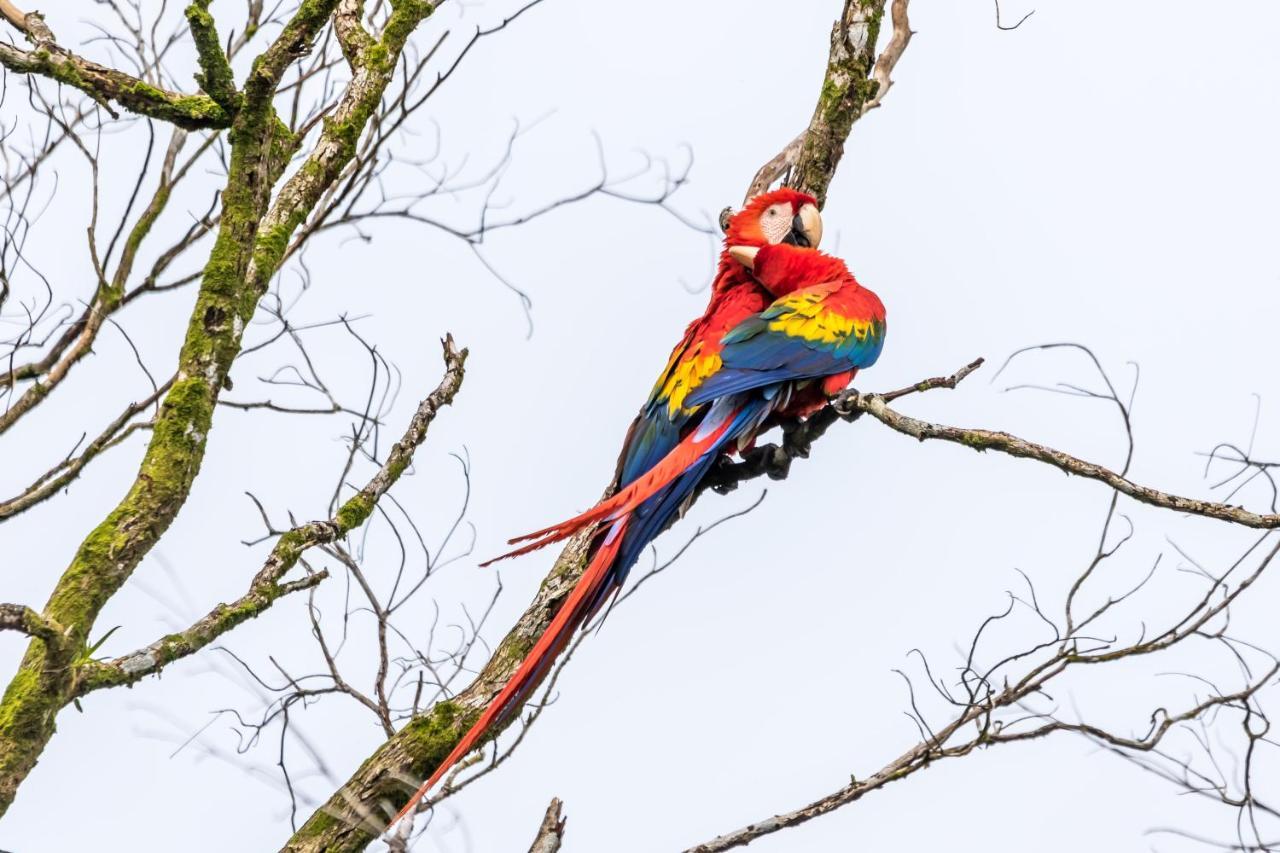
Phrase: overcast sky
(1105, 174)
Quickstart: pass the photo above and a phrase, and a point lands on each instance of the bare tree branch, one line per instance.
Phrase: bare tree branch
(267, 585)
(18, 617)
(981, 439)
(995, 702)
(551, 833)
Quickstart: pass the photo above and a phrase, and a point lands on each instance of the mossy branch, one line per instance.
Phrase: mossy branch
(853, 83)
(215, 75)
(127, 669)
(360, 810)
(847, 85)
(103, 84)
(353, 38)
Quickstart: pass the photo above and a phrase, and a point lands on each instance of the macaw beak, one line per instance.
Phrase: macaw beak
(806, 228)
(745, 255)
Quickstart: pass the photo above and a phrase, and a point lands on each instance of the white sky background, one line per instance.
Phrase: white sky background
(1105, 174)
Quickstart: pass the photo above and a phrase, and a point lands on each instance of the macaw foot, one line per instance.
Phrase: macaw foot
(845, 404)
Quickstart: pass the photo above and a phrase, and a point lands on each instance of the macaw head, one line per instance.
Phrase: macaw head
(781, 216)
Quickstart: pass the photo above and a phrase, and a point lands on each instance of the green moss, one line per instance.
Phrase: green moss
(290, 545)
(22, 690)
(512, 651)
(321, 824)
(103, 85)
(28, 710)
(430, 737)
(405, 17)
(215, 75)
(189, 111)
(354, 512)
(63, 71)
(398, 466)
(831, 95)
(376, 56)
(144, 90)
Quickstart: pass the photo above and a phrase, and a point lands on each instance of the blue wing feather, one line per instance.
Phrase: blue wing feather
(755, 356)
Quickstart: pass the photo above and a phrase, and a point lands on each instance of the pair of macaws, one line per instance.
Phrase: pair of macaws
(787, 326)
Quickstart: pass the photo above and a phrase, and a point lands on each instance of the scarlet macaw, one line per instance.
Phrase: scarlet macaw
(786, 326)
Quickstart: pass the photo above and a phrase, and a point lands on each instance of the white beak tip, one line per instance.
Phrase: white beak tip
(745, 255)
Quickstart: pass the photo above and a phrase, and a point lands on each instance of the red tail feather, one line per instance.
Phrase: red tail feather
(549, 645)
(627, 499)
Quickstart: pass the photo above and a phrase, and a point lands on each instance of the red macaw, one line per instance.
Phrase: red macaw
(785, 360)
(786, 326)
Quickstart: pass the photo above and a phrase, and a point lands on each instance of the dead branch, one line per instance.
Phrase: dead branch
(551, 833)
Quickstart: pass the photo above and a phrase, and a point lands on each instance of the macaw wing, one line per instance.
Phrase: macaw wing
(819, 331)
(658, 427)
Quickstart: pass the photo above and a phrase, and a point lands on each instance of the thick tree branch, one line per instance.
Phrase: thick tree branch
(353, 38)
(774, 460)
(846, 89)
(101, 83)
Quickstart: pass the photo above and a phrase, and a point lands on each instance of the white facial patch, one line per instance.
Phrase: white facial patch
(775, 222)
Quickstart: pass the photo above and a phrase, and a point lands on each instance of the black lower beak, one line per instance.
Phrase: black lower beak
(795, 236)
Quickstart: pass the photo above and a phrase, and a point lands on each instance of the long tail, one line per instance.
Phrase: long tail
(647, 504)
(590, 588)
(717, 428)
